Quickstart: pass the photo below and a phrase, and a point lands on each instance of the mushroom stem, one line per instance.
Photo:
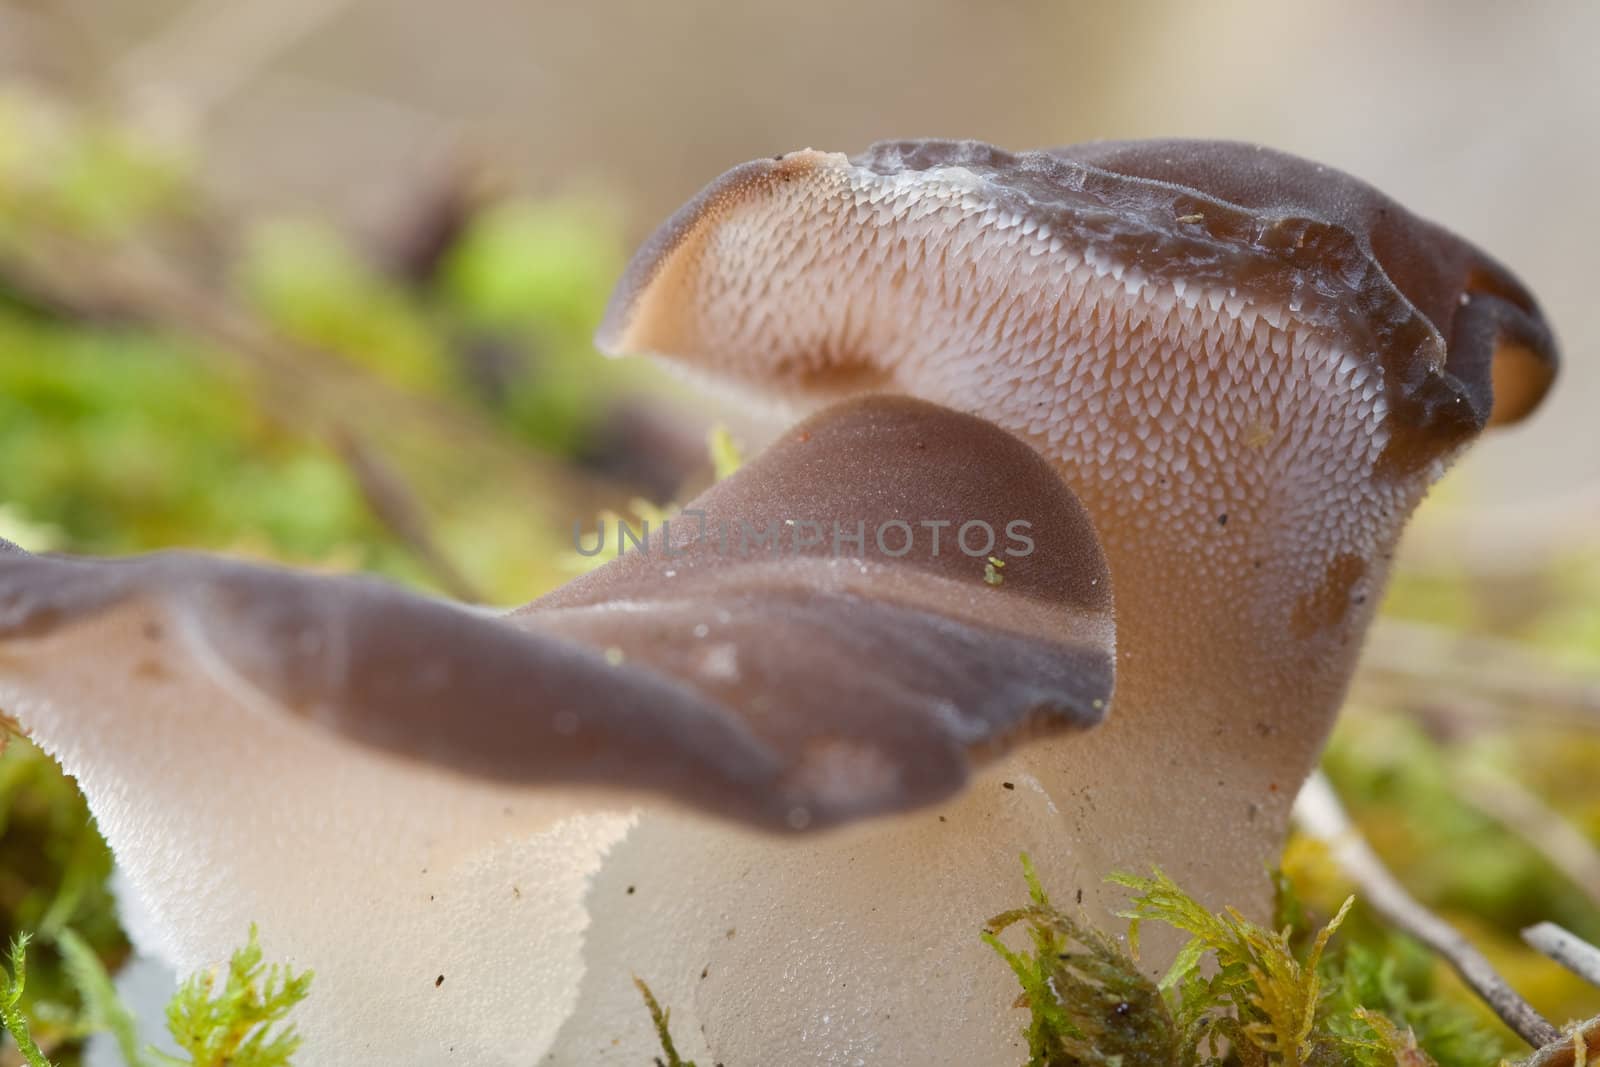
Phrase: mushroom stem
(1249, 367)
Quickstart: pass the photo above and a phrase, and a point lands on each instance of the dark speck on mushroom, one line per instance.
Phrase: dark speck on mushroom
(439, 981)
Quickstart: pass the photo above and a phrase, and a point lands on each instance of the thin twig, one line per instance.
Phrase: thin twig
(316, 386)
(211, 51)
(79, 53)
(420, 126)
(1566, 847)
(391, 501)
(1412, 654)
(1506, 543)
(302, 388)
(386, 494)
(1319, 813)
(1567, 949)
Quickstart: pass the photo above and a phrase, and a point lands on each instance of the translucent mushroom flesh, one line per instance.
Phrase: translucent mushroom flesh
(413, 798)
(1249, 366)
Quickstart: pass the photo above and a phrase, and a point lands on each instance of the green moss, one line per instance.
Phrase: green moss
(527, 282)
(80, 174)
(13, 982)
(661, 1018)
(1406, 790)
(1087, 1002)
(102, 1010)
(313, 286)
(1237, 994)
(544, 268)
(236, 1019)
(1260, 997)
(53, 871)
(195, 461)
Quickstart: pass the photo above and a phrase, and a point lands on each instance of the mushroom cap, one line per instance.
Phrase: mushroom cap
(1498, 344)
(740, 280)
(788, 686)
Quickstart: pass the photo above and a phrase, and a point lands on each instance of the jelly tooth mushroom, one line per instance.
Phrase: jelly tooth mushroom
(412, 798)
(1248, 366)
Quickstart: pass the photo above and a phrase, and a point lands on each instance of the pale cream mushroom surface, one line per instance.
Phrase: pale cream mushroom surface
(432, 807)
(1250, 368)
(784, 790)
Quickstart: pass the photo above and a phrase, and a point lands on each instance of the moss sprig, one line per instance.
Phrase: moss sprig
(661, 1018)
(1237, 994)
(1087, 1003)
(237, 1018)
(13, 981)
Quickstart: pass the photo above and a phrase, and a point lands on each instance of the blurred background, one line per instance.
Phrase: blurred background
(314, 280)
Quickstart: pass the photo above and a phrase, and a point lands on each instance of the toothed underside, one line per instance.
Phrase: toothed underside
(1173, 403)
